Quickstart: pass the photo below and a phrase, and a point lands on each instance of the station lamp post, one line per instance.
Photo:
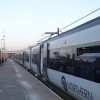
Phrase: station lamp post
(4, 48)
(1, 50)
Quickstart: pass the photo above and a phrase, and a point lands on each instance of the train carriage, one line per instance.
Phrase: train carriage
(60, 64)
(70, 61)
(35, 59)
(27, 58)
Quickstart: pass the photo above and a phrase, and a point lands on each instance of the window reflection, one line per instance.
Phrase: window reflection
(84, 67)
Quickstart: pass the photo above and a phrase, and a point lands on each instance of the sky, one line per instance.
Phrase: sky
(24, 21)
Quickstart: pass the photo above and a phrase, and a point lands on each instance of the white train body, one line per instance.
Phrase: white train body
(71, 61)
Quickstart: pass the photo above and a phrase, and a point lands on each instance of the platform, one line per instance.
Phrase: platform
(18, 84)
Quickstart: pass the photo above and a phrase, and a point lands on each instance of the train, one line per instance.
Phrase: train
(70, 61)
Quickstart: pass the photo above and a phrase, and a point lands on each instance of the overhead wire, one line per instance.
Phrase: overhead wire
(80, 19)
(60, 30)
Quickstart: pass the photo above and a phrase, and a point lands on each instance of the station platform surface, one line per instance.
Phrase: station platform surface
(18, 84)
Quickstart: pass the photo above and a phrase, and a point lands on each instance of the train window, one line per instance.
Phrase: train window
(85, 69)
(54, 59)
(32, 57)
(26, 57)
(97, 70)
(71, 66)
(91, 49)
(21, 57)
(35, 58)
(88, 66)
(60, 60)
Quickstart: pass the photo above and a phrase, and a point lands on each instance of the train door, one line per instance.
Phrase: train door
(23, 59)
(30, 57)
(41, 58)
(48, 53)
(44, 59)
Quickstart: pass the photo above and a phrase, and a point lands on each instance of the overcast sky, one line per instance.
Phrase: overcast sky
(24, 21)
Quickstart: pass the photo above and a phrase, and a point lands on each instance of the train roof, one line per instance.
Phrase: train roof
(81, 27)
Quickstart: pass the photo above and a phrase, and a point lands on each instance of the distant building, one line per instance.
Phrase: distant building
(10, 53)
(6, 54)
